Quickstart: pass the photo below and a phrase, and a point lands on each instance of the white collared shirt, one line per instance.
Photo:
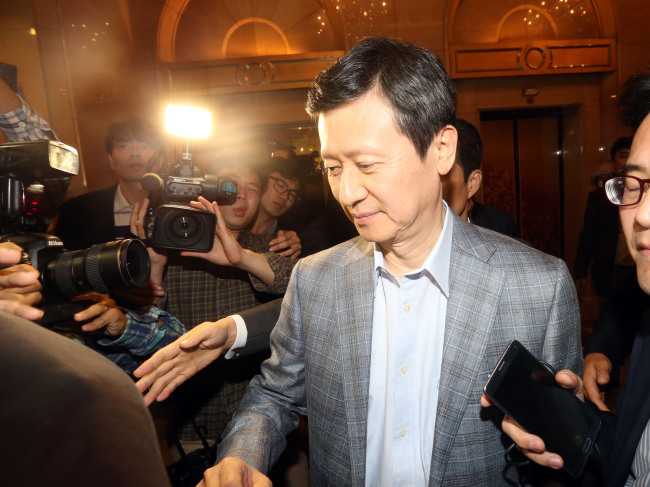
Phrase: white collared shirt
(407, 341)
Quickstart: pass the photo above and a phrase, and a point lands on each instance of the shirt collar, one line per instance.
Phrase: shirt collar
(120, 202)
(437, 262)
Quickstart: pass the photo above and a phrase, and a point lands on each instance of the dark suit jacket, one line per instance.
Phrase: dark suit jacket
(87, 219)
(493, 219)
(597, 242)
(633, 411)
(260, 322)
(69, 416)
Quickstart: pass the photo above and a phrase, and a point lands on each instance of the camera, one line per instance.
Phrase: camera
(27, 169)
(106, 267)
(171, 223)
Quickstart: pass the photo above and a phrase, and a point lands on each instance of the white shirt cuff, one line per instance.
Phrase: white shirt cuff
(242, 336)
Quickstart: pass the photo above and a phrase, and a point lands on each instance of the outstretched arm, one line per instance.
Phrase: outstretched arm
(227, 251)
(170, 367)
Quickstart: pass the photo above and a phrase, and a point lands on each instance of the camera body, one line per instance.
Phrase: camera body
(171, 222)
(29, 167)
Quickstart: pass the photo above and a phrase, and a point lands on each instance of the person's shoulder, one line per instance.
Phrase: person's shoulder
(342, 254)
(502, 251)
(82, 200)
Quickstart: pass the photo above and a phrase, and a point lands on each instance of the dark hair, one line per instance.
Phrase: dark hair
(469, 151)
(409, 77)
(634, 101)
(287, 169)
(620, 143)
(134, 128)
(230, 157)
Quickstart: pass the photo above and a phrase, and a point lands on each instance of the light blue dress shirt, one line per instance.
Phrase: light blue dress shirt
(407, 339)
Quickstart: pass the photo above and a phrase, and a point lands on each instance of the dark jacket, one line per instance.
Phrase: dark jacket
(87, 219)
(597, 242)
(494, 219)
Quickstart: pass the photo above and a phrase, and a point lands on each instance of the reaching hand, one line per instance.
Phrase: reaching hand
(233, 472)
(596, 374)
(532, 446)
(106, 314)
(287, 244)
(171, 366)
(20, 288)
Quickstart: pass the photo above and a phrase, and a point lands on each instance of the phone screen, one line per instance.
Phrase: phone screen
(527, 392)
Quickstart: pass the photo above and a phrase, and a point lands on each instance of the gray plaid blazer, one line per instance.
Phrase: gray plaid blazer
(500, 290)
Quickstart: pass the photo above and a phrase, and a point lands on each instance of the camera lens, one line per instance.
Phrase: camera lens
(103, 268)
(184, 226)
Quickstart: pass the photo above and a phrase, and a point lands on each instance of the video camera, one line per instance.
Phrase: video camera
(171, 223)
(28, 167)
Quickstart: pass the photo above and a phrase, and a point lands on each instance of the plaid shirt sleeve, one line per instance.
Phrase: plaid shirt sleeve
(145, 333)
(25, 123)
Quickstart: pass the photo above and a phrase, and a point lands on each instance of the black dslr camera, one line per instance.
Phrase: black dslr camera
(28, 168)
(171, 223)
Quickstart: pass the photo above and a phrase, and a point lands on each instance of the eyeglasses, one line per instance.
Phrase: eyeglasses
(281, 187)
(625, 190)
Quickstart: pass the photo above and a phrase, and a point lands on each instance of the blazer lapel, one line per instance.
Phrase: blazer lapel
(474, 293)
(354, 291)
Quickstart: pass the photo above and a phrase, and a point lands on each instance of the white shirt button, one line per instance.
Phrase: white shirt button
(407, 308)
(402, 432)
(404, 369)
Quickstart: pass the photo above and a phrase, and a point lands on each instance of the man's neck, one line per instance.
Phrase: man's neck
(262, 222)
(132, 191)
(404, 257)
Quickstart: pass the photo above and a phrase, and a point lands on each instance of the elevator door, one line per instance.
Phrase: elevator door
(523, 174)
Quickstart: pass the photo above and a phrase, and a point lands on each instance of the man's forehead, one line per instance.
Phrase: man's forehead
(289, 181)
(639, 158)
(243, 173)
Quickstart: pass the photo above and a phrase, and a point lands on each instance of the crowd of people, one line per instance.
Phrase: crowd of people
(377, 321)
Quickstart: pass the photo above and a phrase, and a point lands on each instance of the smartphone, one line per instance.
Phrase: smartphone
(525, 389)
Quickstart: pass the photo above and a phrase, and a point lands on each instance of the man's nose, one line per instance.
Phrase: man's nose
(642, 215)
(351, 189)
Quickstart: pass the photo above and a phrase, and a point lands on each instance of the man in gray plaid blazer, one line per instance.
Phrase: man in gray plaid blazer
(385, 341)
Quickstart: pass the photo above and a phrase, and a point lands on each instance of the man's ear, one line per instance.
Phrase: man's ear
(474, 182)
(447, 139)
(111, 162)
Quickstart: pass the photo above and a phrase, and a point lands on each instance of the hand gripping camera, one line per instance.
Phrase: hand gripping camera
(171, 223)
(27, 168)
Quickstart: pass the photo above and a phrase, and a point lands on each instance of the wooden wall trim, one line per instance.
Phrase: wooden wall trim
(539, 57)
(249, 74)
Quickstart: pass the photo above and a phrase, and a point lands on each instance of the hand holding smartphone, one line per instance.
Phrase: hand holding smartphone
(526, 390)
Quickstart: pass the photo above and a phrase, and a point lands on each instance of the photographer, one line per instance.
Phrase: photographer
(132, 146)
(240, 274)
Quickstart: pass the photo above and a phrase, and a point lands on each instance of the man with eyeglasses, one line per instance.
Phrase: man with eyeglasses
(281, 191)
(624, 439)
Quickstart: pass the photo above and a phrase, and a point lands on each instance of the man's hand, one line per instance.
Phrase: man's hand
(226, 250)
(171, 366)
(154, 291)
(532, 446)
(233, 472)
(596, 374)
(20, 288)
(107, 316)
(287, 244)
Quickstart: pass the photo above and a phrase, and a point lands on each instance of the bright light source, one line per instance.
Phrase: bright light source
(188, 122)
